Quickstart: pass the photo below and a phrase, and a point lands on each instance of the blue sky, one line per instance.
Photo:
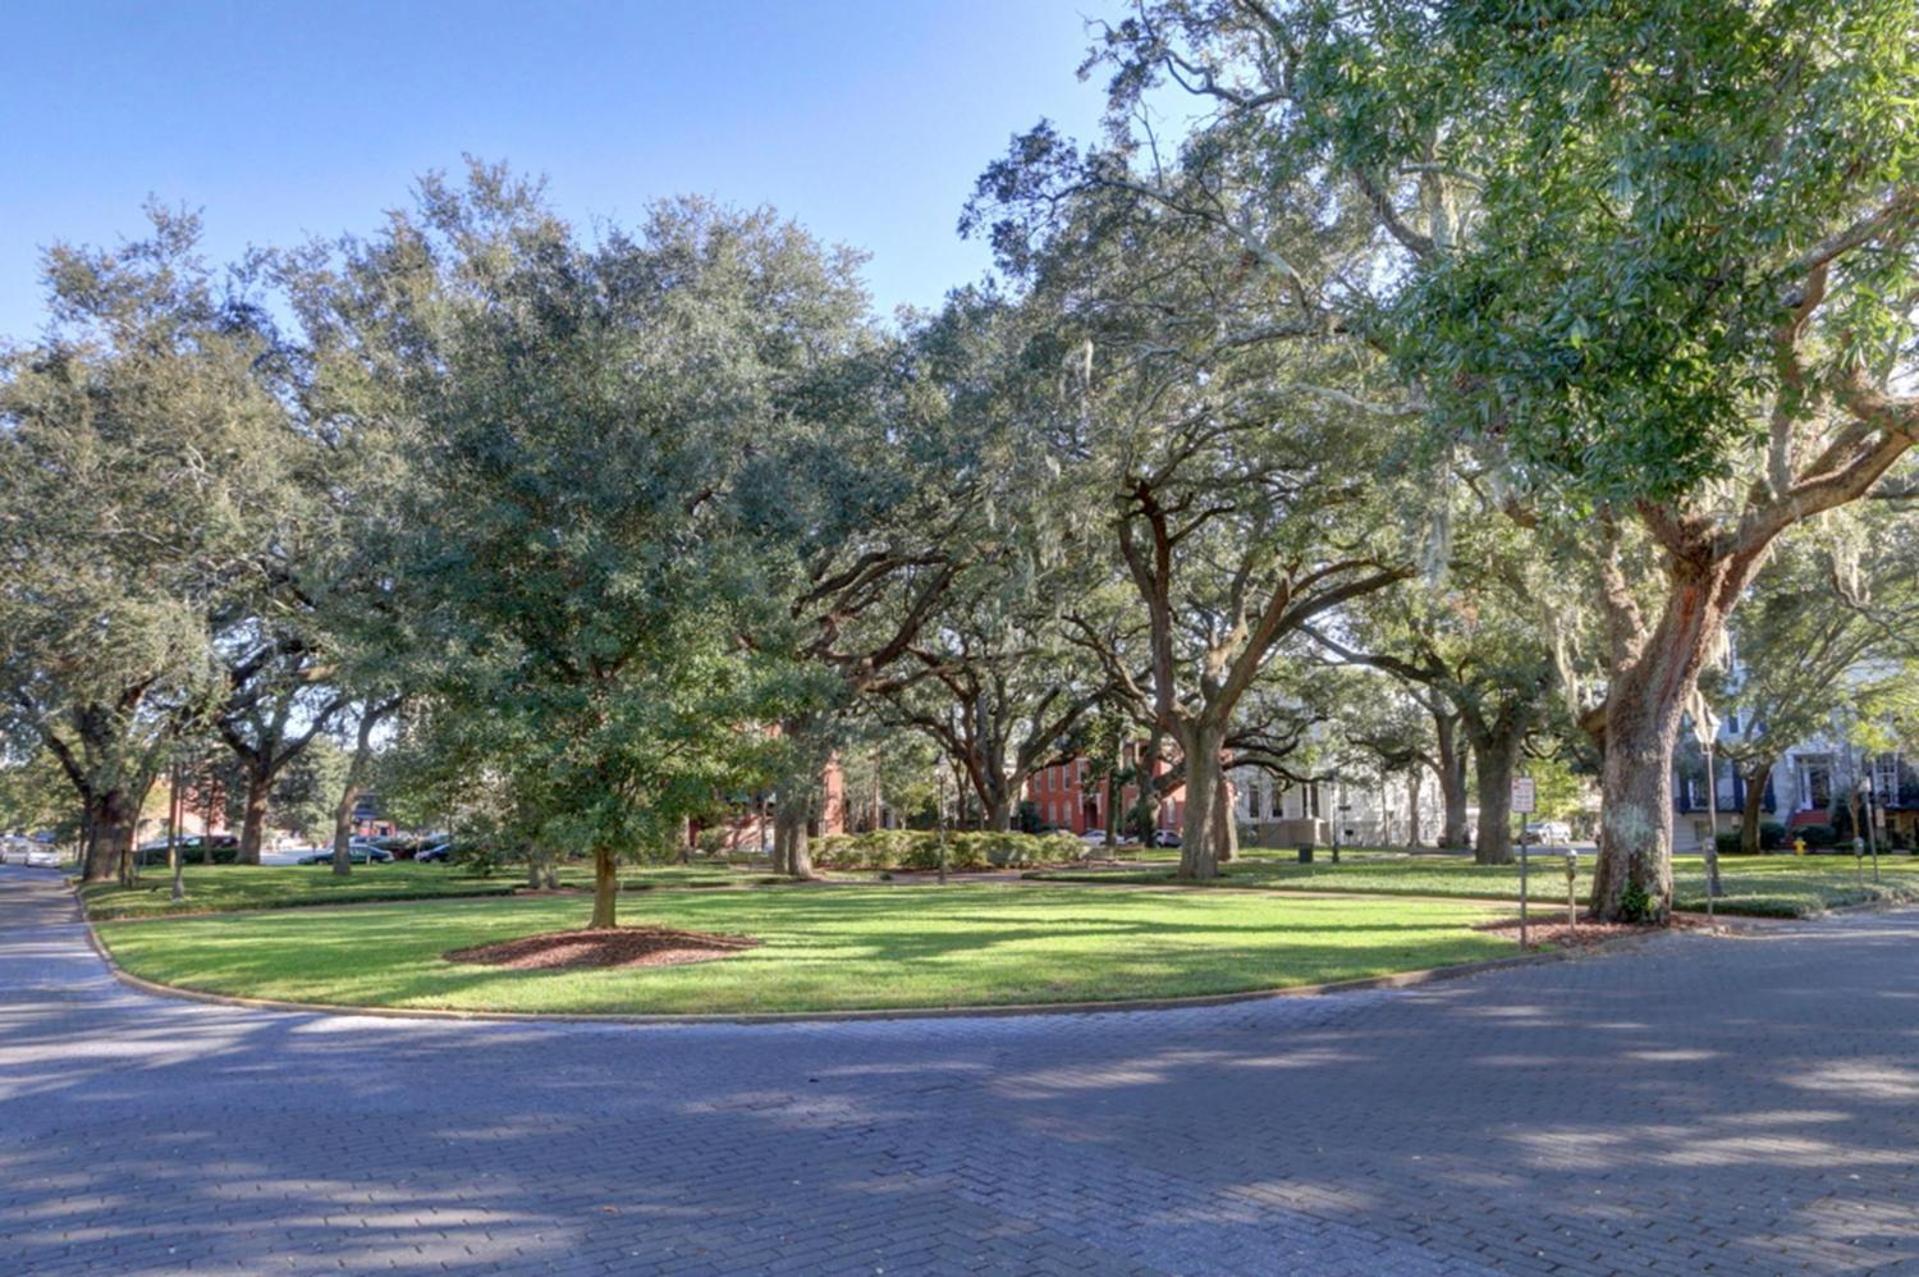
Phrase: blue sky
(865, 119)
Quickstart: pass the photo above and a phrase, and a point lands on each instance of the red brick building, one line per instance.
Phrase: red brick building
(1066, 796)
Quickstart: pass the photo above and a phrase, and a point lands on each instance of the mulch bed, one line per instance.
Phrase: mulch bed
(1549, 927)
(608, 947)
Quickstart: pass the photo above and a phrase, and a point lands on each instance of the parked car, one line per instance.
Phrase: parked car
(1164, 838)
(435, 854)
(25, 851)
(1548, 833)
(1094, 837)
(359, 855)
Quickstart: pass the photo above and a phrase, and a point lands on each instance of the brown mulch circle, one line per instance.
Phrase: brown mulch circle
(607, 947)
(1551, 928)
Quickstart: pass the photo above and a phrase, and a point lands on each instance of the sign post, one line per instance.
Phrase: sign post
(1525, 797)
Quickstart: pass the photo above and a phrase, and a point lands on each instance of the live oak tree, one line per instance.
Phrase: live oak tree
(1001, 693)
(1653, 266)
(1489, 638)
(897, 481)
(1807, 645)
(276, 709)
(1234, 474)
(1386, 726)
(581, 413)
(993, 676)
(140, 458)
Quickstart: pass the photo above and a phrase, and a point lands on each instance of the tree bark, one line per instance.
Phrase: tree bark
(1495, 758)
(1632, 881)
(606, 890)
(792, 854)
(112, 818)
(1653, 675)
(343, 824)
(999, 815)
(1452, 781)
(1412, 807)
(370, 716)
(253, 826)
(1753, 811)
(1225, 824)
(175, 870)
(1199, 851)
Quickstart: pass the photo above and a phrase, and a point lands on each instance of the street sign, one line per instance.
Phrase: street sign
(1523, 795)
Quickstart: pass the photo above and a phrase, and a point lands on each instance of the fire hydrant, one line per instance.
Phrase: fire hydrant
(1799, 845)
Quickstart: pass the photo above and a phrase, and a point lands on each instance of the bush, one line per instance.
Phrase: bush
(191, 853)
(919, 849)
(477, 858)
(1772, 836)
(1818, 835)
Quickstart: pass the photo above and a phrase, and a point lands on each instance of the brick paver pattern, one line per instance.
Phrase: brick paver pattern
(1699, 1104)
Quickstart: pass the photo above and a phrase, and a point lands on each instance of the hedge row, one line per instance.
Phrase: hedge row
(920, 849)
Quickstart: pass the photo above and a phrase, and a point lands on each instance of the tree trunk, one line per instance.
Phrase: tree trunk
(1632, 881)
(343, 825)
(126, 856)
(1644, 701)
(1752, 813)
(175, 869)
(1412, 807)
(253, 827)
(1145, 781)
(112, 818)
(350, 792)
(999, 813)
(1225, 823)
(606, 890)
(1494, 761)
(1199, 851)
(1452, 781)
(792, 856)
(1112, 813)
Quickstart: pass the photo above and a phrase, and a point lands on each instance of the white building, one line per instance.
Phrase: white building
(1362, 812)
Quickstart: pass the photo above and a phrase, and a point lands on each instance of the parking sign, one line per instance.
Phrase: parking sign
(1523, 795)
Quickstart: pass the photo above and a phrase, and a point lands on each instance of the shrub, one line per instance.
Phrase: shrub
(1772, 836)
(1818, 835)
(191, 853)
(919, 849)
(477, 858)
(1634, 904)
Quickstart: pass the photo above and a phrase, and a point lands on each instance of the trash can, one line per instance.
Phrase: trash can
(1305, 853)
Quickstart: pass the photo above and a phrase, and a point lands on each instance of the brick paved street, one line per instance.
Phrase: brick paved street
(1700, 1105)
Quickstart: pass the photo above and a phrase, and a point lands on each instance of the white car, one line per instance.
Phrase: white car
(25, 851)
(1094, 837)
(1549, 833)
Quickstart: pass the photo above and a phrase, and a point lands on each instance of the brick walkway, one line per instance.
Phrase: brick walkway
(1700, 1105)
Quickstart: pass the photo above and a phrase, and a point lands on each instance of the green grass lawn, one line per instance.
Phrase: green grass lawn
(1771, 886)
(220, 888)
(825, 948)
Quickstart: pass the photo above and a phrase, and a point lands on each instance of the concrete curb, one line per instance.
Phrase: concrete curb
(1397, 980)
